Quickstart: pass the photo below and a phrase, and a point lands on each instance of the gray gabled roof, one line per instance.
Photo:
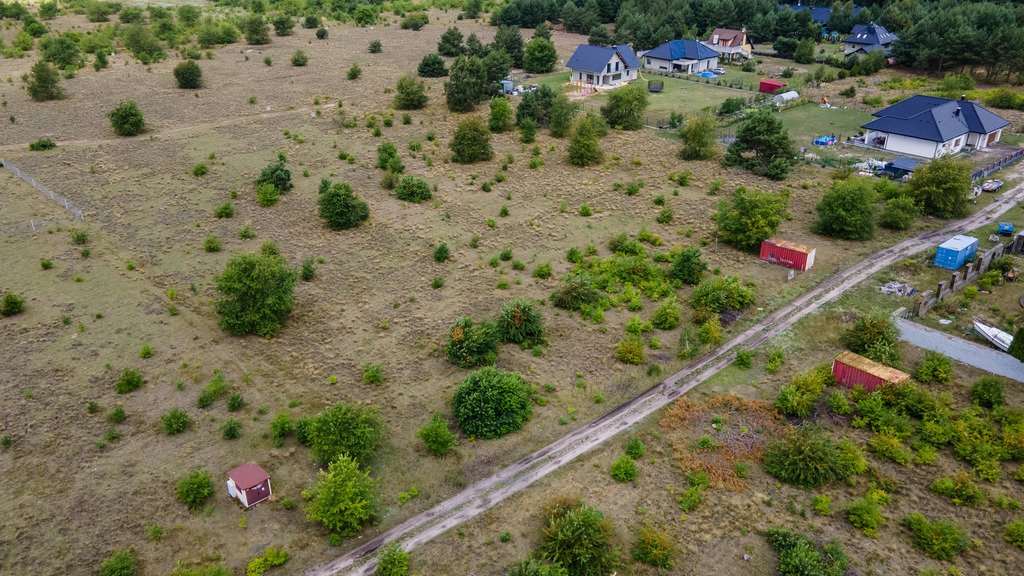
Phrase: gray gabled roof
(682, 50)
(935, 119)
(594, 58)
(870, 37)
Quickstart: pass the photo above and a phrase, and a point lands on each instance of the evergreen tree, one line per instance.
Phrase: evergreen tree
(751, 217)
(804, 53)
(432, 66)
(584, 145)
(561, 115)
(509, 40)
(451, 43)
(341, 208)
(496, 67)
(44, 83)
(255, 30)
(625, 107)
(688, 267)
(698, 139)
(471, 142)
(1016, 348)
(764, 135)
(466, 85)
(542, 31)
(474, 47)
(410, 94)
(599, 35)
(500, 119)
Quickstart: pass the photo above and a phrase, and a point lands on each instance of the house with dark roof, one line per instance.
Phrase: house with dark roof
(730, 43)
(680, 56)
(819, 14)
(603, 65)
(866, 38)
(930, 127)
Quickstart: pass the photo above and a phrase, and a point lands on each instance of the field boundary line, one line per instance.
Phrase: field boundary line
(55, 197)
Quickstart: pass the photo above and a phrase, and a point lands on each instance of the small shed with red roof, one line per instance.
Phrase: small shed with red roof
(770, 86)
(786, 253)
(249, 483)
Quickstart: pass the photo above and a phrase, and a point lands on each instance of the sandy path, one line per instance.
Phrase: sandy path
(490, 491)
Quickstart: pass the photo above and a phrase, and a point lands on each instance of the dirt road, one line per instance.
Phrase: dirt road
(488, 492)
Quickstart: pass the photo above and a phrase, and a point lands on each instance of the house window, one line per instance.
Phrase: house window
(616, 66)
(956, 143)
(608, 68)
(590, 78)
(616, 77)
(648, 61)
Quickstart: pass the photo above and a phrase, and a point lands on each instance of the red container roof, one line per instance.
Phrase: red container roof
(790, 245)
(871, 367)
(248, 475)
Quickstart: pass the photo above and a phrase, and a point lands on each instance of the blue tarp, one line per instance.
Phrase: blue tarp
(825, 141)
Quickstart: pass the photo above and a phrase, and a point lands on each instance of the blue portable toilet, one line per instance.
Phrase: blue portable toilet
(506, 86)
(954, 252)
(1006, 228)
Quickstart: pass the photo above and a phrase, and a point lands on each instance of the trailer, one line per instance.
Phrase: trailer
(788, 254)
(853, 370)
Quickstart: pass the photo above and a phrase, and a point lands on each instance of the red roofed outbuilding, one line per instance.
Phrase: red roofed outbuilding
(786, 253)
(249, 483)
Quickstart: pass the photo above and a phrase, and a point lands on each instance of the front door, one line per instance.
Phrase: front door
(992, 137)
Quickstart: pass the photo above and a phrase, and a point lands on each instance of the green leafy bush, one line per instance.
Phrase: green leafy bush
(653, 546)
(936, 367)
(341, 208)
(471, 141)
(666, 316)
(413, 189)
(277, 175)
(255, 294)
(472, 345)
(211, 243)
(126, 119)
(121, 563)
(579, 537)
(520, 323)
(490, 403)
(577, 290)
(344, 429)
(175, 422)
(129, 381)
(887, 444)
(231, 429)
(799, 397)
(267, 194)
(808, 459)
(630, 350)
(372, 374)
(866, 514)
(194, 489)
(258, 565)
(299, 58)
(720, 294)
(225, 210)
(624, 469)
(12, 304)
(800, 556)
(1015, 533)
(942, 539)
(688, 267)
(837, 403)
(959, 488)
(343, 498)
(41, 145)
(873, 336)
(393, 561)
(987, 391)
(441, 253)
(436, 436)
(635, 449)
(188, 75)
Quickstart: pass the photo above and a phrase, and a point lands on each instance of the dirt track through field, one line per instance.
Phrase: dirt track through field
(510, 480)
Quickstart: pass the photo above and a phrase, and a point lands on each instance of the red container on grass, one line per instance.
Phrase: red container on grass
(789, 254)
(770, 86)
(852, 370)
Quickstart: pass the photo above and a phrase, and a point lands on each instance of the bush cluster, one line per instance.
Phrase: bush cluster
(12, 304)
(490, 403)
(343, 429)
(624, 469)
(799, 397)
(436, 436)
(413, 189)
(720, 294)
(942, 539)
(472, 344)
(129, 381)
(808, 459)
(519, 322)
(800, 556)
(579, 537)
(341, 208)
(194, 489)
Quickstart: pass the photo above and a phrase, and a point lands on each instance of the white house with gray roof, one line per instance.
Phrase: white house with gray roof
(930, 127)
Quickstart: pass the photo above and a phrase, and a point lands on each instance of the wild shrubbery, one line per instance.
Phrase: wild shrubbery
(800, 556)
(877, 338)
(255, 294)
(720, 294)
(579, 537)
(577, 290)
(11, 304)
(343, 498)
(936, 367)
(653, 546)
(942, 539)
(343, 430)
(472, 344)
(799, 397)
(129, 381)
(808, 459)
(436, 436)
(520, 323)
(960, 489)
(194, 489)
(490, 403)
(341, 208)
(413, 189)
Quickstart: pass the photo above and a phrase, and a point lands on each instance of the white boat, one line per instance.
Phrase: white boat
(994, 335)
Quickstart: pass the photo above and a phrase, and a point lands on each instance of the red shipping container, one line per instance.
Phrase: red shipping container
(789, 254)
(852, 370)
(770, 86)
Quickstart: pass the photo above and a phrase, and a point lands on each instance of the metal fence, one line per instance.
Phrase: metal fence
(998, 165)
(55, 197)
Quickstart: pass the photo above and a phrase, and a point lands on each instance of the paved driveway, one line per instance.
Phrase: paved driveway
(978, 355)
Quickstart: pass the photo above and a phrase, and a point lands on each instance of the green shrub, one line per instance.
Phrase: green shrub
(129, 380)
(490, 403)
(41, 145)
(579, 537)
(654, 547)
(1015, 533)
(543, 271)
(277, 175)
(472, 345)
(341, 208)
(354, 72)
(822, 505)
(942, 539)
(122, 563)
(887, 445)
(413, 189)
(837, 403)
(935, 367)
(744, 359)
(231, 429)
(441, 253)
(866, 514)
(175, 421)
(808, 459)
(225, 210)
(11, 305)
(635, 449)
(666, 316)
(255, 294)
(471, 141)
(344, 429)
(267, 194)
(235, 402)
(710, 332)
(200, 170)
(987, 391)
(875, 337)
(720, 294)
(299, 58)
(281, 426)
(117, 415)
(436, 436)
(188, 75)
(246, 233)
(343, 498)
(372, 374)
(624, 469)
(194, 489)
(630, 350)
(211, 243)
(799, 556)
(308, 271)
(393, 561)
(520, 323)
(126, 119)
(960, 489)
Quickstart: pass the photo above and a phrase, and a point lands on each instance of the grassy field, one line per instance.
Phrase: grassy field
(75, 491)
(805, 123)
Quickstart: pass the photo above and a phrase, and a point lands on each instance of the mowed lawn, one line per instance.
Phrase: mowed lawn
(805, 123)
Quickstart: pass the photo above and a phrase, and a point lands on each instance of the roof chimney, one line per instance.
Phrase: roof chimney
(957, 113)
(963, 97)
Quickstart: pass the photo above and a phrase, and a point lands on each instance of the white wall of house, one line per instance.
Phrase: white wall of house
(903, 144)
(685, 66)
(981, 140)
(614, 73)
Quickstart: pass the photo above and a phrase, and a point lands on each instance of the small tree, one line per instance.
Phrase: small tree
(354, 72)
(584, 141)
(751, 217)
(277, 176)
(599, 36)
(126, 119)
(764, 135)
(807, 459)
(412, 189)
(394, 561)
(343, 498)
(471, 142)
(44, 83)
(847, 210)
(1016, 348)
(940, 187)
(255, 30)
(527, 130)
(375, 47)
(471, 344)
(299, 58)
(804, 53)
(432, 66)
(732, 105)
(410, 94)
(188, 75)
(899, 213)
(625, 107)
(578, 537)
(698, 139)
(500, 119)
(466, 85)
(343, 429)
(122, 563)
(688, 267)
(11, 304)
(255, 294)
(561, 115)
(540, 56)
(520, 323)
(451, 43)
(194, 489)
(436, 436)
(508, 40)
(490, 403)
(341, 208)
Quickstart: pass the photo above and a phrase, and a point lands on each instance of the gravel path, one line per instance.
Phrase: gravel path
(970, 353)
(490, 491)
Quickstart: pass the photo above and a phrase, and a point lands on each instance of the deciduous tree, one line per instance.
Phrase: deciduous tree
(940, 187)
(625, 107)
(751, 217)
(255, 294)
(847, 210)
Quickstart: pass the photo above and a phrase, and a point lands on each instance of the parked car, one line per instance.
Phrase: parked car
(719, 70)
